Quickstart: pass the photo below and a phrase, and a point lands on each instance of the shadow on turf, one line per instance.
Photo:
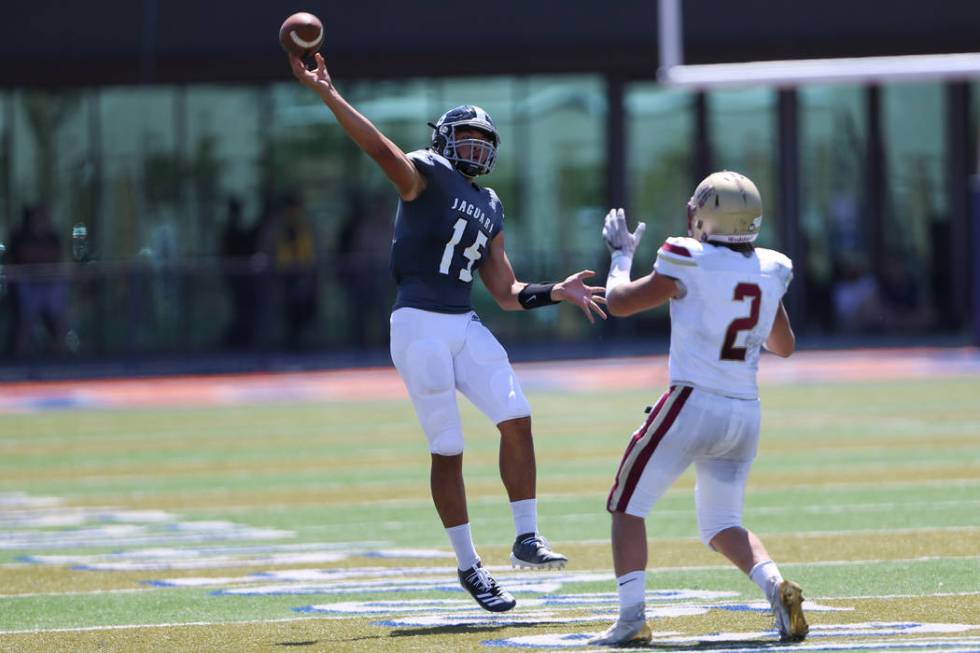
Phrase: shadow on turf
(314, 642)
(462, 629)
(760, 644)
(310, 642)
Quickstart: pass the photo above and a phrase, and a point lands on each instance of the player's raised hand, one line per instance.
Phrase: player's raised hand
(616, 233)
(317, 79)
(574, 291)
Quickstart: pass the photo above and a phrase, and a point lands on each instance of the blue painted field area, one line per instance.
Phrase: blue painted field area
(307, 524)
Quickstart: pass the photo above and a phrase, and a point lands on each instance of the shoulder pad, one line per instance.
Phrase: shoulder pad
(776, 263)
(684, 251)
(494, 200)
(428, 159)
(770, 257)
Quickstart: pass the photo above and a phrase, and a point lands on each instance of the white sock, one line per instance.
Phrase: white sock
(462, 541)
(525, 516)
(631, 588)
(766, 575)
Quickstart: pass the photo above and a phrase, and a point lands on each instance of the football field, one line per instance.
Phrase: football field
(292, 513)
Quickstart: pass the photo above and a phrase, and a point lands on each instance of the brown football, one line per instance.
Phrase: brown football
(301, 34)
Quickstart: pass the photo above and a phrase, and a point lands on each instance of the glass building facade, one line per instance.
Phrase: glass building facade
(209, 218)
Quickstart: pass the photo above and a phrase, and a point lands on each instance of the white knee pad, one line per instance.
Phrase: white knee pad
(432, 385)
(709, 527)
(487, 379)
(718, 495)
(446, 443)
(430, 368)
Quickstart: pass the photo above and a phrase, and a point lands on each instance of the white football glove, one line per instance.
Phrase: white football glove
(617, 235)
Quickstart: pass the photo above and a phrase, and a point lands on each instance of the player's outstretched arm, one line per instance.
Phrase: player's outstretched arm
(393, 161)
(641, 294)
(625, 297)
(513, 295)
(781, 340)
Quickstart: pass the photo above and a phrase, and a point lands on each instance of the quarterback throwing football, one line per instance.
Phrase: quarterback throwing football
(725, 304)
(446, 229)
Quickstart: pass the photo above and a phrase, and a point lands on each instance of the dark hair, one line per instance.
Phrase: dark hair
(745, 249)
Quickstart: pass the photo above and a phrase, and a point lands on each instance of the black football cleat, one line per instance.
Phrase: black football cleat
(480, 584)
(531, 551)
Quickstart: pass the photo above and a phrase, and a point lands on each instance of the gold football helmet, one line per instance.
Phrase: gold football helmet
(725, 208)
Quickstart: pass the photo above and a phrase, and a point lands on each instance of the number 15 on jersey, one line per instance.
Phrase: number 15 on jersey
(472, 253)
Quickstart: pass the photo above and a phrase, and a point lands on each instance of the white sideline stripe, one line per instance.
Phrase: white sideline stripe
(504, 569)
(32, 595)
(492, 500)
(806, 534)
(80, 629)
(814, 509)
(871, 597)
(819, 563)
(83, 629)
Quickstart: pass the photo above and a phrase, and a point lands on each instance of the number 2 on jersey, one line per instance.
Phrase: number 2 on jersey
(471, 253)
(743, 291)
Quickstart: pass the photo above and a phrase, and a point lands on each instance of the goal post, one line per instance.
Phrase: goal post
(790, 73)
(793, 73)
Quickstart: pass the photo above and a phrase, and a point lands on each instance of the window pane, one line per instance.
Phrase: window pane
(742, 128)
(141, 185)
(833, 141)
(50, 149)
(221, 153)
(917, 204)
(550, 178)
(660, 130)
(7, 211)
(47, 164)
(144, 218)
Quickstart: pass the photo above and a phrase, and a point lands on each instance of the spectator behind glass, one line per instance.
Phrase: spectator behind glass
(362, 259)
(904, 302)
(857, 297)
(41, 290)
(295, 256)
(237, 246)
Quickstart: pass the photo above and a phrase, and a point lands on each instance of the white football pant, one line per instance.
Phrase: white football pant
(439, 353)
(718, 434)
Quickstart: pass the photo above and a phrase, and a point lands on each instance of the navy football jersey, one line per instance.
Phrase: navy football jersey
(442, 237)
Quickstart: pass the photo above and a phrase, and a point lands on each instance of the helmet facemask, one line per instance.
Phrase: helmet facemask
(471, 156)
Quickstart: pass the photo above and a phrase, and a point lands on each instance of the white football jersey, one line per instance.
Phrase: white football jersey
(725, 314)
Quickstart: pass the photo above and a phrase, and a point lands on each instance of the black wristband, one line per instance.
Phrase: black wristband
(536, 295)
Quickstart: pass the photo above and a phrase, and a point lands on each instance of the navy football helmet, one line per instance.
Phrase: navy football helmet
(482, 155)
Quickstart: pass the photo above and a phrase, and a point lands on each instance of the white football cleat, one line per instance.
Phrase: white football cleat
(624, 633)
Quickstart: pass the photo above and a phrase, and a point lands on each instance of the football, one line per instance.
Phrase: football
(301, 34)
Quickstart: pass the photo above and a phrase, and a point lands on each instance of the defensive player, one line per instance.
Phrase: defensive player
(447, 228)
(725, 303)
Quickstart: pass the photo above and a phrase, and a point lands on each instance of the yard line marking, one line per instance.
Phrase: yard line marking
(806, 534)
(281, 577)
(31, 595)
(833, 508)
(82, 629)
(817, 563)
(675, 492)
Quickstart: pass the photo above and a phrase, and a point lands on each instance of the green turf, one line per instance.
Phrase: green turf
(173, 605)
(887, 475)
